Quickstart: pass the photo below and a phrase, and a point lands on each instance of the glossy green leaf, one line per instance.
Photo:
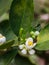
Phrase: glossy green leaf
(7, 45)
(19, 60)
(5, 6)
(21, 15)
(8, 57)
(43, 39)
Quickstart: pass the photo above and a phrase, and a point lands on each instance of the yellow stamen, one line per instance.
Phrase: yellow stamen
(30, 43)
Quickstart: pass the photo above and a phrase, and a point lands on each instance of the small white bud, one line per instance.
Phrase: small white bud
(24, 51)
(21, 46)
(31, 51)
(37, 33)
(2, 39)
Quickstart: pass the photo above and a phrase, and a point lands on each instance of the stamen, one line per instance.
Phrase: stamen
(30, 43)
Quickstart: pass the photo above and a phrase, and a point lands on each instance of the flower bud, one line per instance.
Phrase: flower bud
(24, 51)
(36, 33)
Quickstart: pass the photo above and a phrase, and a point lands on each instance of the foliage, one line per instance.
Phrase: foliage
(16, 24)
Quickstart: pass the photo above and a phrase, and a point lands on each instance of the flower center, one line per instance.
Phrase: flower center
(30, 43)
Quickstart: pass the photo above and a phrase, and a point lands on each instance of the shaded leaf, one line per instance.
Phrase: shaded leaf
(19, 60)
(21, 15)
(6, 30)
(7, 44)
(8, 57)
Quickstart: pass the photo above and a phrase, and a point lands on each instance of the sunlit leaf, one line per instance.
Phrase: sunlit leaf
(43, 39)
(44, 34)
(43, 46)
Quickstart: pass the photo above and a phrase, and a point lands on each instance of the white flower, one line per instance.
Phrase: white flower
(27, 47)
(21, 46)
(24, 51)
(2, 39)
(29, 43)
(31, 51)
(37, 33)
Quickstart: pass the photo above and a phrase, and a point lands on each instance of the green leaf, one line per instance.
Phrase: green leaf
(19, 60)
(5, 16)
(7, 45)
(6, 30)
(8, 57)
(8, 33)
(44, 34)
(21, 15)
(43, 46)
(43, 39)
(4, 6)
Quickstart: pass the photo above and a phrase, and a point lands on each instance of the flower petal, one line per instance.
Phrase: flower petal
(34, 45)
(2, 40)
(29, 47)
(21, 46)
(31, 51)
(29, 39)
(24, 51)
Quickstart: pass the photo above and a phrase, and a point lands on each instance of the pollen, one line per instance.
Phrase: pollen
(30, 43)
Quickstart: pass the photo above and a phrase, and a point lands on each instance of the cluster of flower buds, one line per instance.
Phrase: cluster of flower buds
(27, 48)
(2, 39)
(34, 34)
